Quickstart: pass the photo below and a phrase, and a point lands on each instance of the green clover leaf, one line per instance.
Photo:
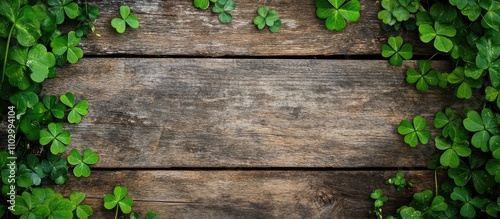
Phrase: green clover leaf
(492, 17)
(56, 109)
(120, 24)
(201, 4)
(469, 8)
(66, 46)
(424, 78)
(25, 21)
(27, 206)
(39, 61)
(463, 195)
(379, 198)
(77, 110)
(56, 167)
(82, 211)
(337, 12)
(451, 123)
(482, 125)
(493, 168)
(24, 100)
(60, 8)
(465, 84)
(268, 18)
(223, 8)
(57, 136)
(125, 204)
(81, 162)
(452, 151)
(440, 33)
(60, 208)
(482, 181)
(414, 132)
(397, 51)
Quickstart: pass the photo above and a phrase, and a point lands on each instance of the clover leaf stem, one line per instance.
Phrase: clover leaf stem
(7, 52)
(436, 182)
(116, 214)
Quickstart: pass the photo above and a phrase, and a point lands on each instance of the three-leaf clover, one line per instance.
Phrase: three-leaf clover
(464, 90)
(379, 198)
(223, 7)
(468, 210)
(426, 201)
(337, 12)
(453, 150)
(36, 58)
(82, 211)
(81, 162)
(493, 168)
(482, 181)
(396, 50)
(414, 132)
(440, 33)
(424, 78)
(492, 17)
(451, 123)
(118, 199)
(61, 7)
(267, 17)
(120, 24)
(56, 109)
(399, 181)
(56, 167)
(482, 125)
(57, 136)
(397, 10)
(77, 110)
(66, 46)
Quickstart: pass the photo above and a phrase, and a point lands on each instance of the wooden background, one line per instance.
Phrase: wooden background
(206, 120)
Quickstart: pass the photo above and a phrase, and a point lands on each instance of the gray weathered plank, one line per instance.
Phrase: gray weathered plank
(176, 27)
(157, 113)
(249, 194)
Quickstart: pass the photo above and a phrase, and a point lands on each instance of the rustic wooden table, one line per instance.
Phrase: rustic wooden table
(205, 120)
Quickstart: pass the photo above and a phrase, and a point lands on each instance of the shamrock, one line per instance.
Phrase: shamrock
(414, 132)
(424, 78)
(120, 24)
(396, 50)
(267, 17)
(337, 12)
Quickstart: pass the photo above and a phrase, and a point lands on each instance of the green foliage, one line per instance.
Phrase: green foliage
(337, 12)
(76, 110)
(424, 78)
(415, 132)
(57, 136)
(398, 12)
(119, 200)
(81, 162)
(223, 7)
(268, 18)
(400, 182)
(45, 203)
(120, 23)
(380, 199)
(396, 50)
(67, 48)
(483, 126)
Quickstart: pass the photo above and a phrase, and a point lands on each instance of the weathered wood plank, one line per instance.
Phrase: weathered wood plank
(157, 113)
(176, 27)
(249, 194)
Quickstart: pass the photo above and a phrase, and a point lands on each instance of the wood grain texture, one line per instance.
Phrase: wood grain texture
(162, 113)
(176, 27)
(249, 194)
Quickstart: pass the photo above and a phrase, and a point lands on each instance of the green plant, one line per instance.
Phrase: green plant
(400, 182)
(337, 12)
(81, 162)
(119, 201)
(396, 50)
(221, 7)
(469, 142)
(415, 132)
(268, 18)
(126, 18)
(380, 199)
(424, 78)
(397, 12)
